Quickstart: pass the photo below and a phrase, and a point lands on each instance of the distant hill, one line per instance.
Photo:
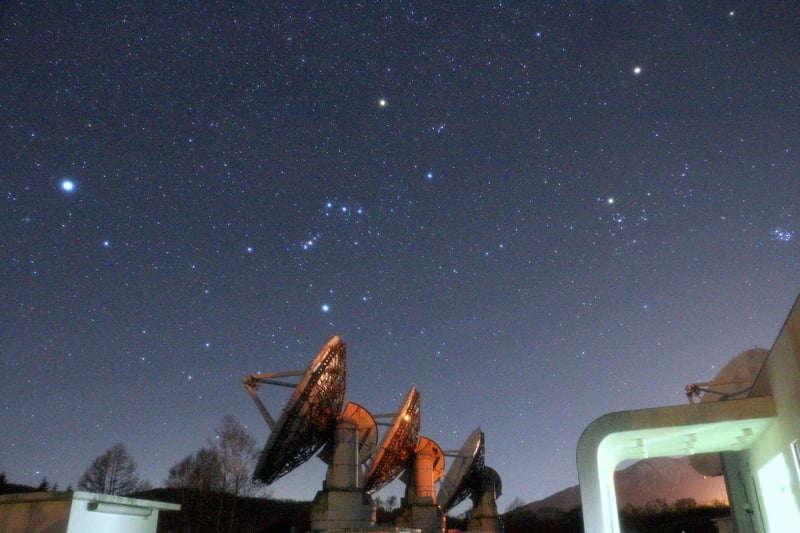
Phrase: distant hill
(666, 478)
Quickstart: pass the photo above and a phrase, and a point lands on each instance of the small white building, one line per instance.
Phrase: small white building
(79, 512)
(756, 435)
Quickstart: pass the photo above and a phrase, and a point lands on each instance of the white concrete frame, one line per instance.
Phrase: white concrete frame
(659, 432)
(758, 436)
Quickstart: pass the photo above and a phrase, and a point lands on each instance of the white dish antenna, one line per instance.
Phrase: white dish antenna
(464, 471)
(734, 381)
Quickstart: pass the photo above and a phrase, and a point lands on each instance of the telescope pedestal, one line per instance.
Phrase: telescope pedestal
(427, 518)
(484, 515)
(341, 509)
(486, 524)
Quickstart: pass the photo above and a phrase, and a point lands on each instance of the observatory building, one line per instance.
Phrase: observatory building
(79, 512)
(746, 427)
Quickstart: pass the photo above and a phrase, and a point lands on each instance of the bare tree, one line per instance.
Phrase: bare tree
(516, 504)
(113, 472)
(201, 471)
(210, 479)
(198, 478)
(224, 466)
(237, 453)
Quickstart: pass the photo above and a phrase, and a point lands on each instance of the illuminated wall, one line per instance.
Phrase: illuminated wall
(761, 444)
(79, 512)
(769, 469)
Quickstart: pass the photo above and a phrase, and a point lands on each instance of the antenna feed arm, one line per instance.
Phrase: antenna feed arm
(251, 382)
(692, 391)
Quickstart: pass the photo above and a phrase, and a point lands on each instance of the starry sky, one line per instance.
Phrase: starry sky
(535, 212)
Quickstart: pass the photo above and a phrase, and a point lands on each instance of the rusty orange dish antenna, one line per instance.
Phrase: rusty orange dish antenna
(397, 446)
(309, 418)
(361, 421)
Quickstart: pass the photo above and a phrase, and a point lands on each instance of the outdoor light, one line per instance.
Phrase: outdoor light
(118, 508)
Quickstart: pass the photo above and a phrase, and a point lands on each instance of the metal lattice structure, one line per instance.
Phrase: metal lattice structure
(309, 418)
(397, 447)
(464, 477)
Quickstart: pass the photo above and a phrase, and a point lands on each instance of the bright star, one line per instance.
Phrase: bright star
(325, 308)
(67, 185)
(383, 102)
(637, 70)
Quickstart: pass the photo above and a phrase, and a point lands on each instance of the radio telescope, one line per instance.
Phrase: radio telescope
(734, 381)
(464, 469)
(397, 446)
(468, 476)
(418, 508)
(313, 419)
(365, 434)
(309, 417)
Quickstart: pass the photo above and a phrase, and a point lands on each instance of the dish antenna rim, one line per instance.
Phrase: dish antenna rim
(470, 458)
(396, 449)
(308, 417)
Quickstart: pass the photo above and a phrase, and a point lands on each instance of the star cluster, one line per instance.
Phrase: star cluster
(536, 214)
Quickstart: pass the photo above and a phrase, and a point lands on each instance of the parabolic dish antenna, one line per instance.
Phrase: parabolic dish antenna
(366, 429)
(309, 417)
(397, 446)
(426, 446)
(734, 381)
(460, 480)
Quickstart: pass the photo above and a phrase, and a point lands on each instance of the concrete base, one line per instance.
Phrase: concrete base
(338, 509)
(486, 524)
(427, 518)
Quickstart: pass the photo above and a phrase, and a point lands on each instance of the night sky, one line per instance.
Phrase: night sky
(535, 212)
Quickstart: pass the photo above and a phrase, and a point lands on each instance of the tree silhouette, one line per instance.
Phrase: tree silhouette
(224, 466)
(200, 471)
(211, 479)
(113, 472)
(237, 452)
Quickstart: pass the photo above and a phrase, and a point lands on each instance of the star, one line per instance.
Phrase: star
(637, 70)
(67, 185)
(325, 308)
(383, 102)
(782, 235)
